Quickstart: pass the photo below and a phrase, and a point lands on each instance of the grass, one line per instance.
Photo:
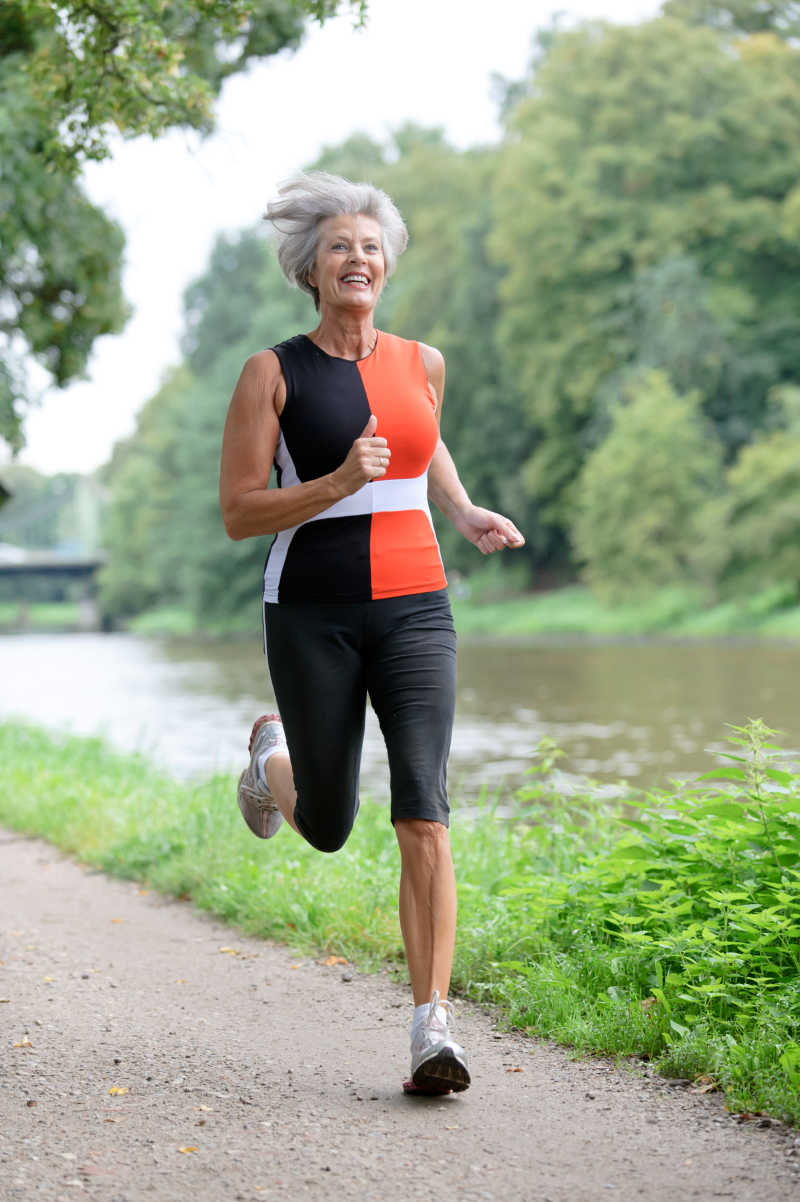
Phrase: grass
(488, 612)
(40, 615)
(663, 927)
(575, 611)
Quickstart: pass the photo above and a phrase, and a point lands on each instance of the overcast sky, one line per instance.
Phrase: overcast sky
(428, 61)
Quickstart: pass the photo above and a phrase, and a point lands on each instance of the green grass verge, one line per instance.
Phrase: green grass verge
(565, 611)
(665, 927)
(40, 615)
(575, 611)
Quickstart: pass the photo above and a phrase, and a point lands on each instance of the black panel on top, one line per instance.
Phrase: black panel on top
(326, 406)
(328, 560)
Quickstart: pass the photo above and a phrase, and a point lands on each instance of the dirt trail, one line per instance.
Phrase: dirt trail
(151, 1053)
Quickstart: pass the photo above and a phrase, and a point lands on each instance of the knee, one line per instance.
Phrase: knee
(323, 832)
(329, 841)
(422, 837)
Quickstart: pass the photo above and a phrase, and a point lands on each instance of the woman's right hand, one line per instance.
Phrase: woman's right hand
(367, 459)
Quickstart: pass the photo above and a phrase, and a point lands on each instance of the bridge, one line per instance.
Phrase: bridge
(46, 563)
(17, 563)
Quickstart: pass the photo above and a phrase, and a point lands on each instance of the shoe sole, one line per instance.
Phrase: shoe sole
(443, 1073)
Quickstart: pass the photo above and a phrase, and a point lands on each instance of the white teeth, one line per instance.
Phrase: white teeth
(355, 279)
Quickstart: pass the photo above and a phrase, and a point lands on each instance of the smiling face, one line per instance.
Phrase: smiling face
(349, 271)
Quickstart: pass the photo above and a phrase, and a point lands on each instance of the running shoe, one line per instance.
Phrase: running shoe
(255, 800)
(438, 1063)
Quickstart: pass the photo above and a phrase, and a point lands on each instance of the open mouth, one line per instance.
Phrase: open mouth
(356, 277)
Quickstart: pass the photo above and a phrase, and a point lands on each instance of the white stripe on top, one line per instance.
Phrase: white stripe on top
(379, 496)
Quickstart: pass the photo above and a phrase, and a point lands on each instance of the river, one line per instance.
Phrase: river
(646, 710)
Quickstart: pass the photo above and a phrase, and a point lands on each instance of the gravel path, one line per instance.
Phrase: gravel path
(149, 1052)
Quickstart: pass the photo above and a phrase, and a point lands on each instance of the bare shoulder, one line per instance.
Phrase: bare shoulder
(261, 382)
(433, 361)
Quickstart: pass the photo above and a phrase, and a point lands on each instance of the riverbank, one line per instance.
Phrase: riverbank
(668, 936)
(571, 611)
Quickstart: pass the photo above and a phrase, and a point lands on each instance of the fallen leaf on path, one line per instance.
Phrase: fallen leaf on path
(331, 960)
(116, 1090)
(230, 951)
(704, 1085)
(206, 1108)
(515, 1069)
(5, 999)
(48, 980)
(117, 919)
(181, 981)
(188, 1148)
(142, 892)
(24, 1043)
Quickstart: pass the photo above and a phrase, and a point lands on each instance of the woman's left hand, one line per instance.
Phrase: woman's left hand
(488, 531)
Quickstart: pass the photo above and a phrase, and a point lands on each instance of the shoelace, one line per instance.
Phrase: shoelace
(432, 1018)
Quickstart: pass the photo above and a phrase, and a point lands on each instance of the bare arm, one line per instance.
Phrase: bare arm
(488, 531)
(249, 506)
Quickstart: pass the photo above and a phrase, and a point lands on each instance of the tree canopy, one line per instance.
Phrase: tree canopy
(71, 73)
(637, 146)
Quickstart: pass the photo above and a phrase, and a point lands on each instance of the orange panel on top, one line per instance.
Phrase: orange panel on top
(397, 391)
(402, 549)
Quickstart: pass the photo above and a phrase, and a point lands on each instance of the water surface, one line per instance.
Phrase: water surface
(643, 710)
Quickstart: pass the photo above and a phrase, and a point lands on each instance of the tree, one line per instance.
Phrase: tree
(752, 533)
(636, 147)
(40, 514)
(739, 16)
(71, 73)
(640, 492)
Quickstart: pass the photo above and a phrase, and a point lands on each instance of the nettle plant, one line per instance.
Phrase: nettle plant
(670, 920)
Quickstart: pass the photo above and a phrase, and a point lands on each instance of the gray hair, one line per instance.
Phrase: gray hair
(305, 200)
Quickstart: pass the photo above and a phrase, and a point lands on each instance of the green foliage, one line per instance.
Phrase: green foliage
(638, 496)
(40, 513)
(142, 65)
(740, 16)
(662, 926)
(760, 534)
(636, 147)
(71, 72)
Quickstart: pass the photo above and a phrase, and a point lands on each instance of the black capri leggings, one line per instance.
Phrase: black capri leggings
(324, 660)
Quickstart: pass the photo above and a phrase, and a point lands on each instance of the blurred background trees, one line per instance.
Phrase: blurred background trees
(72, 73)
(616, 289)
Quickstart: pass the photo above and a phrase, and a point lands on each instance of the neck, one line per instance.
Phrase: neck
(347, 336)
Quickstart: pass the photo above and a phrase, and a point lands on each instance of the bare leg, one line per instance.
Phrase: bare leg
(427, 905)
(280, 782)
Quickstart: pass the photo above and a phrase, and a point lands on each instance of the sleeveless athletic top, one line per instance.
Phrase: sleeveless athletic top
(378, 542)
